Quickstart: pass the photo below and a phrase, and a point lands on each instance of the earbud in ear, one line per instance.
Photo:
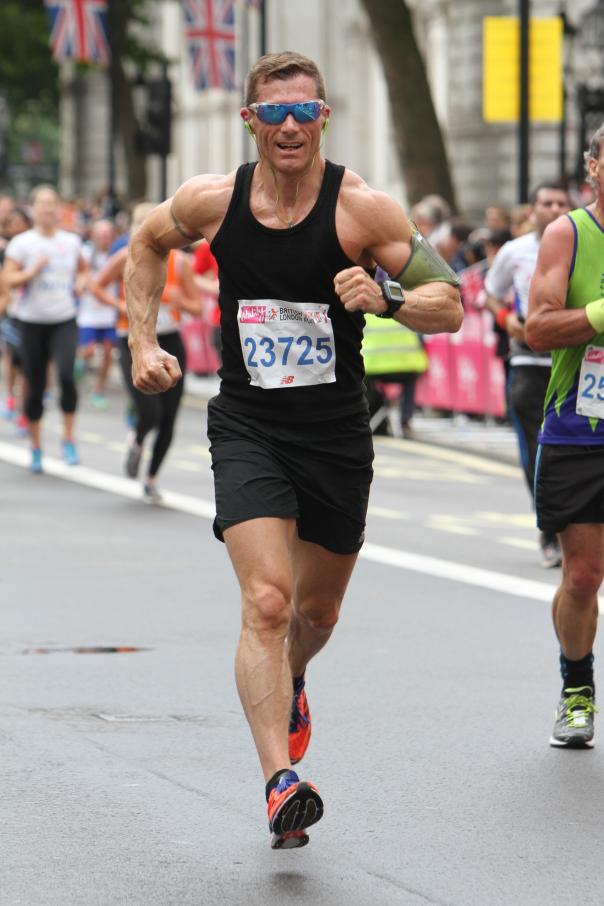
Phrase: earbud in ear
(247, 126)
(325, 126)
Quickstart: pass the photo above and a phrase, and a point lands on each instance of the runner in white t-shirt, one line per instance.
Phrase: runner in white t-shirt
(48, 263)
(96, 322)
(511, 272)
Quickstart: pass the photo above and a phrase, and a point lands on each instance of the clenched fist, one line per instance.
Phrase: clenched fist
(358, 291)
(154, 370)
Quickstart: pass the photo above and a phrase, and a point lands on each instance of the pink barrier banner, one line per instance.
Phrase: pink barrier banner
(469, 364)
(496, 387)
(436, 387)
(464, 374)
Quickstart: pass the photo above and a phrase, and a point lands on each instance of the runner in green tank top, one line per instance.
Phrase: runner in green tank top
(566, 315)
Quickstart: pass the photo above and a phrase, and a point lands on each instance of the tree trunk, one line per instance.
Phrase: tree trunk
(419, 141)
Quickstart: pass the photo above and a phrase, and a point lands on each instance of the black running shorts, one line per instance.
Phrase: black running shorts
(569, 486)
(317, 473)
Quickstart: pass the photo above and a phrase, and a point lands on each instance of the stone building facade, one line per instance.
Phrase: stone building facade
(208, 134)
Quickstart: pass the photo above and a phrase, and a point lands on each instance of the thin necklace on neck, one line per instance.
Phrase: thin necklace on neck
(290, 222)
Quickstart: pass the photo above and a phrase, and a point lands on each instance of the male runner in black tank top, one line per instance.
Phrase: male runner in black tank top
(291, 449)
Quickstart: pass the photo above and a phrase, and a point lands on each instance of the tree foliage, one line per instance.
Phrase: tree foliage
(29, 77)
(27, 70)
(419, 140)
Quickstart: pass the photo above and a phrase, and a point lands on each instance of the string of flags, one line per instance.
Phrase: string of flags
(210, 38)
(79, 31)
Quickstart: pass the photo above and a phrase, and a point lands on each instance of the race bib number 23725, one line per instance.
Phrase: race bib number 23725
(286, 344)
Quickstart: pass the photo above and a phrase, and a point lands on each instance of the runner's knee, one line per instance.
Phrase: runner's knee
(34, 407)
(69, 395)
(266, 609)
(583, 577)
(320, 612)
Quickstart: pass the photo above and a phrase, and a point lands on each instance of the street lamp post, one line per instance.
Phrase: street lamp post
(112, 85)
(523, 119)
(568, 33)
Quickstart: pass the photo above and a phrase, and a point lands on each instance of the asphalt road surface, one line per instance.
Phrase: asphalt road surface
(130, 777)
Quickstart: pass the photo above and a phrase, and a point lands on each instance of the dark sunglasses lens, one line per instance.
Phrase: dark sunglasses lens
(273, 114)
(305, 113)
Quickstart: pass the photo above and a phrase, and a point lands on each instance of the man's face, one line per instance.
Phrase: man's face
(102, 235)
(6, 206)
(45, 209)
(495, 218)
(549, 204)
(291, 146)
(14, 224)
(596, 171)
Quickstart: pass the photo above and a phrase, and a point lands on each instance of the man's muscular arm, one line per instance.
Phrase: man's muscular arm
(549, 324)
(433, 307)
(193, 212)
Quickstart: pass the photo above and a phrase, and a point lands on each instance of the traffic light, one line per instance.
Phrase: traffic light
(157, 129)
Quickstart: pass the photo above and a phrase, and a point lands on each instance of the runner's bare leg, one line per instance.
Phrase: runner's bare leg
(260, 552)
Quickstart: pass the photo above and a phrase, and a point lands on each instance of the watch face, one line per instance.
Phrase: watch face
(395, 292)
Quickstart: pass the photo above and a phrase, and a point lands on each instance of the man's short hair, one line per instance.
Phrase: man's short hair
(460, 230)
(556, 184)
(593, 153)
(282, 66)
(498, 237)
(43, 187)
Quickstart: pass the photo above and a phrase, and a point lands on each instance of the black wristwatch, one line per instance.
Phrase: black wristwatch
(394, 296)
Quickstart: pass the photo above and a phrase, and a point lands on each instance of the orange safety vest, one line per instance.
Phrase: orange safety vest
(170, 313)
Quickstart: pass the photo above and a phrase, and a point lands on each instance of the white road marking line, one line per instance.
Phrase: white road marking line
(90, 438)
(471, 460)
(516, 520)
(419, 473)
(386, 513)
(186, 465)
(102, 481)
(452, 524)
(198, 450)
(458, 572)
(376, 553)
(524, 543)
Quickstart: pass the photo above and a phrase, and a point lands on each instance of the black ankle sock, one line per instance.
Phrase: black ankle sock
(273, 782)
(577, 673)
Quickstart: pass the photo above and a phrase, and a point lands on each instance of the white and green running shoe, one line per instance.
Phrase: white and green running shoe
(574, 726)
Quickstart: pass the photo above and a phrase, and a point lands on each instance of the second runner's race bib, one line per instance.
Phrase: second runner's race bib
(590, 392)
(286, 344)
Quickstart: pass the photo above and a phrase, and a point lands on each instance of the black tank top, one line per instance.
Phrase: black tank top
(294, 266)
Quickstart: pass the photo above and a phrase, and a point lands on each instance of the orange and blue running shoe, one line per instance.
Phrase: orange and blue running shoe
(293, 805)
(299, 723)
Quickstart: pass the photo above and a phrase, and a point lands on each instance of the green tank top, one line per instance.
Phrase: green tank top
(562, 424)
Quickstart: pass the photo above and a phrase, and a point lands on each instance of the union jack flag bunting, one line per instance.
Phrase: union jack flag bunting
(210, 36)
(78, 30)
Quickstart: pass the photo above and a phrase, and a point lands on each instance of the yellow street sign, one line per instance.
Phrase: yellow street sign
(501, 69)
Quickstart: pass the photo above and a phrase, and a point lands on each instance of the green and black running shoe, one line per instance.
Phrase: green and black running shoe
(574, 726)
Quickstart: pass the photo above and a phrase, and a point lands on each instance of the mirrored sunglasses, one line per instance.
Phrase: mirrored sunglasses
(275, 114)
